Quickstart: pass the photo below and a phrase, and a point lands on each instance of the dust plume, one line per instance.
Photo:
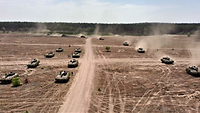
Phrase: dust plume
(96, 31)
(41, 28)
(194, 48)
(158, 39)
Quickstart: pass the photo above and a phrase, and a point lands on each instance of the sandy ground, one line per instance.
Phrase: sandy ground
(121, 80)
(135, 82)
(42, 94)
(78, 97)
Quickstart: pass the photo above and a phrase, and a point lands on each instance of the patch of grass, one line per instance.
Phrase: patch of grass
(41, 86)
(16, 82)
(42, 67)
(26, 111)
(194, 84)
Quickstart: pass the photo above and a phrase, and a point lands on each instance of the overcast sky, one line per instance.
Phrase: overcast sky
(101, 11)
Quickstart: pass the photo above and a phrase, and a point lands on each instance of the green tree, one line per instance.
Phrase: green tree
(107, 48)
(3, 29)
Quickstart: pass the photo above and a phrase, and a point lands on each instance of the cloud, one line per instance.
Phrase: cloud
(81, 11)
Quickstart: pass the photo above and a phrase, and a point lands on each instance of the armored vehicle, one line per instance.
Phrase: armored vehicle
(78, 50)
(33, 63)
(82, 36)
(126, 44)
(7, 78)
(73, 63)
(193, 70)
(167, 60)
(140, 50)
(101, 38)
(63, 35)
(63, 76)
(59, 49)
(49, 55)
(75, 55)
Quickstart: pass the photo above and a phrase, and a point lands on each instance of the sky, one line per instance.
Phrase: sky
(101, 11)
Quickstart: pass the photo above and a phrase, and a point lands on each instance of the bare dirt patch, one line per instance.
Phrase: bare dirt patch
(128, 81)
(41, 94)
(128, 87)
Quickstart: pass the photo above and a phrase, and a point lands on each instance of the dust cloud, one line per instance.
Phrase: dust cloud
(158, 39)
(194, 48)
(96, 32)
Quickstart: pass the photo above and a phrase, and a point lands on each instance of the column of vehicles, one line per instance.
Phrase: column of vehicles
(191, 70)
(63, 75)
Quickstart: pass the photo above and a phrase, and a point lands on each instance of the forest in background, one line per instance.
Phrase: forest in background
(136, 29)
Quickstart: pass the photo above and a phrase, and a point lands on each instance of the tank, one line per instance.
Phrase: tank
(7, 78)
(49, 55)
(141, 50)
(126, 44)
(78, 50)
(63, 35)
(34, 63)
(167, 60)
(193, 70)
(75, 55)
(73, 63)
(101, 38)
(63, 76)
(82, 36)
(59, 49)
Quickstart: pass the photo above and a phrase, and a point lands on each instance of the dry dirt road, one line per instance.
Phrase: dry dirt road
(78, 98)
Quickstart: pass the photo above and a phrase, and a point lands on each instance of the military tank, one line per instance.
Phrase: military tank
(59, 49)
(141, 50)
(78, 50)
(34, 63)
(193, 70)
(75, 55)
(73, 63)
(63, 76)
(63, 35)
(49, 55)
(82, 36)
(7, 78)
(126, 44)
(167, 60)
(101, 38)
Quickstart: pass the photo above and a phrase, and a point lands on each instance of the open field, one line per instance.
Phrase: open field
(121, 80)
(41, 94)
(128, 81)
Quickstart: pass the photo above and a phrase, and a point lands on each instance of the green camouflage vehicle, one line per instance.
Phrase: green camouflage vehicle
(78, 50)
(141, 50)
(34, 63)
(126, 44)
(75, 55)
(167, 60)
(7, 78)
(49, 55)
(193, 70)
(59, 49)
(63, 76)
(73, 63)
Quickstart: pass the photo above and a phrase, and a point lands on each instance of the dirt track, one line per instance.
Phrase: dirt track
(78, 97)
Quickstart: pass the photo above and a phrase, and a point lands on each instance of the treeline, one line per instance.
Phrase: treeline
(103, 29)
